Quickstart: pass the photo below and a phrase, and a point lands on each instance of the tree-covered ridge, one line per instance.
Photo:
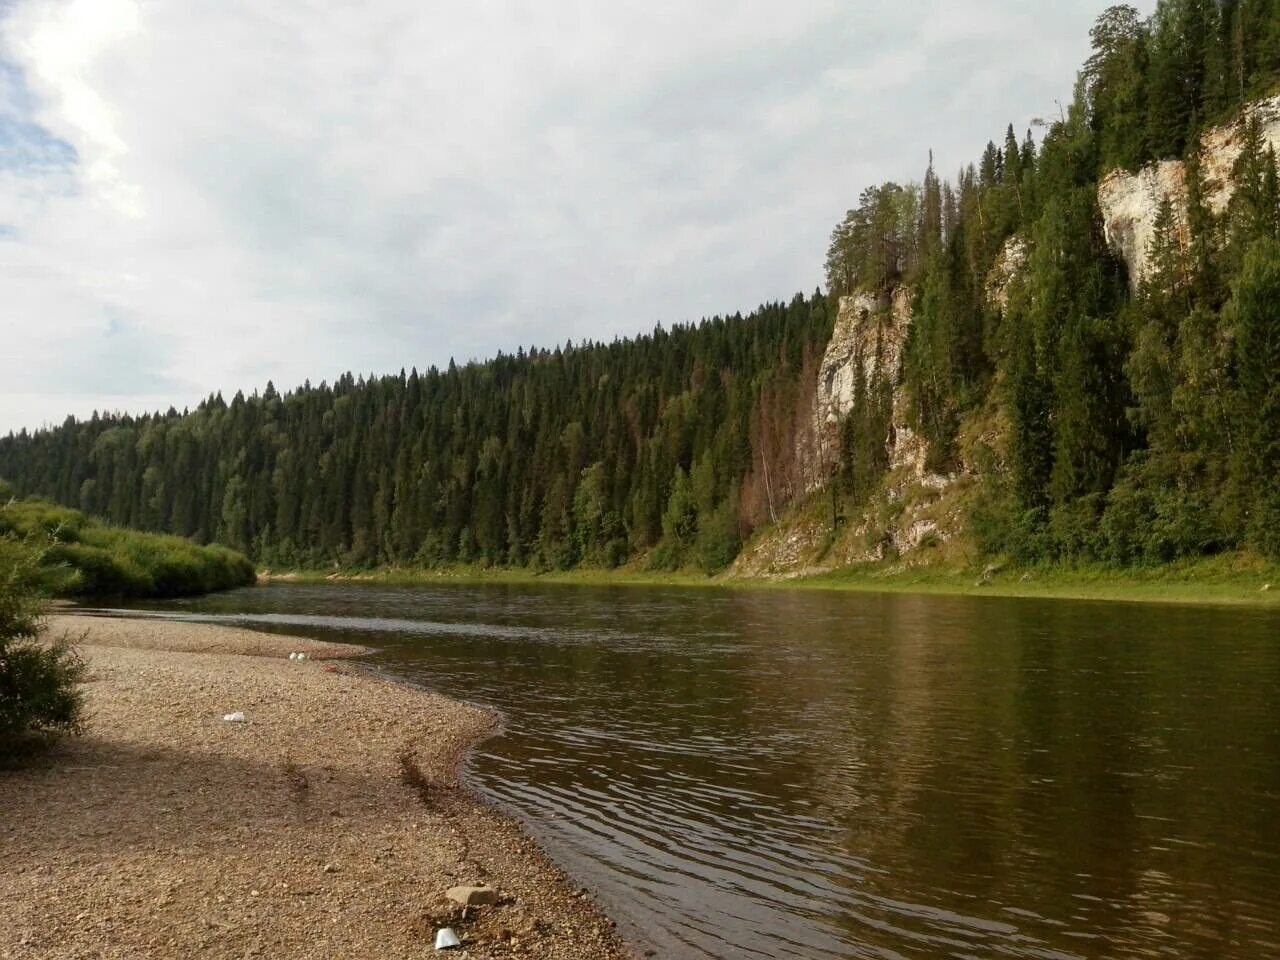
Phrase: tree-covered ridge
(1135, 427)
(1153, 85)
(587, 454)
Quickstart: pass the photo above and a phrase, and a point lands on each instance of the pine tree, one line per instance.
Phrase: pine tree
(1116, 82)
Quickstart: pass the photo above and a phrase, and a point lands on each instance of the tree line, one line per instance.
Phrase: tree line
(675, 444)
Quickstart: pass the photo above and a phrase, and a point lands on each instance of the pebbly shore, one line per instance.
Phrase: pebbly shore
(330, 823)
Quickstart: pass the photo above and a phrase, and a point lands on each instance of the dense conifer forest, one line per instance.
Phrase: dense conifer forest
(551, 458)
(1142, 426)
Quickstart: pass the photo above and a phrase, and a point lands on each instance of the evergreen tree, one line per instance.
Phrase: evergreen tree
(1255, 317)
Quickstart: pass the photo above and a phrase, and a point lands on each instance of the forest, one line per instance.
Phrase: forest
(584, 454)
(1144, 425)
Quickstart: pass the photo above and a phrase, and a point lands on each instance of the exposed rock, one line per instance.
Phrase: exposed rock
(1130, 202)
(909, 452)
(1013, 257)
(869, 332)
(1222, 147)
(869, 339)
(473, 896)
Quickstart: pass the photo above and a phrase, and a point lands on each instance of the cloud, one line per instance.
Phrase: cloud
(205, 195)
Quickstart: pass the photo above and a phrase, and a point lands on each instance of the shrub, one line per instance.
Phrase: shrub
(87, 558)
(39, 693)
(718, 541)
(615, 553)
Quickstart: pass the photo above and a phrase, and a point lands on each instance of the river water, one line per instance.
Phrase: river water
(744, 774)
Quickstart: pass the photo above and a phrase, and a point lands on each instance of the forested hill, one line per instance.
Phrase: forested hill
(1073, 347)
(585, 454)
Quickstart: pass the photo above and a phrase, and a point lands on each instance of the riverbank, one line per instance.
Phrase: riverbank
(1227, 579)
(329, 824)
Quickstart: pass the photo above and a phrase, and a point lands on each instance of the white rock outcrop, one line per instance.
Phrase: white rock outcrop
(871, 335)
(870, 332)
(1130, 202)
(1008, 265)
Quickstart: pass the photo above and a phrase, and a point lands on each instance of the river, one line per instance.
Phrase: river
(786, 774)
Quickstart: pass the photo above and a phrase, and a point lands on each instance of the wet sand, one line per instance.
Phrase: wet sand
(327, 825)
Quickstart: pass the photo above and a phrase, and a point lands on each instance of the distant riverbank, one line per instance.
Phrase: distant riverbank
(326, 824)
(1227, 579)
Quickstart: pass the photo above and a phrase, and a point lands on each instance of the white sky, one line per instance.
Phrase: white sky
(201, 195)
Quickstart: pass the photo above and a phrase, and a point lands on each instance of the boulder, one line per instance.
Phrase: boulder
(473, 896)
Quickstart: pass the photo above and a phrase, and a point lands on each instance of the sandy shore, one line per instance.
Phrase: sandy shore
(167, 832)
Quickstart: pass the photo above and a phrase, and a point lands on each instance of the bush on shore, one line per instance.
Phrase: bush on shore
(86, 558)
(39, 678)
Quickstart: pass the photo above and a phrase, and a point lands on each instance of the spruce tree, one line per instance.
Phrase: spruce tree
(1255, 317)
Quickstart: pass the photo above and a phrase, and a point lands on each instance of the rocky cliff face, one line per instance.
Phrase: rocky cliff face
(1008, 265)
(915, 511)
(870, 337)
(870, 334)
(1130, 202)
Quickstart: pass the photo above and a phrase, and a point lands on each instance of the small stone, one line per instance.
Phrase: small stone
(472, 896)
(330, 868)
(1266, 587)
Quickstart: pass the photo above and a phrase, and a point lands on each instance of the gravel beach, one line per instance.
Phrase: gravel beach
(328, 824)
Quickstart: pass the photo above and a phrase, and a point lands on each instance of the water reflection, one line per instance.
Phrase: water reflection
(824, 775)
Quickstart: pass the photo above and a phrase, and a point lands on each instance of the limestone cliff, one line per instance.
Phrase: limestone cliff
(868, 341)
(869, 338)
(1130, 202)
(915, 512)
(870, 335)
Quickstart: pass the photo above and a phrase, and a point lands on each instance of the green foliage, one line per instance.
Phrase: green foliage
(84, 558)
(718, 540)
(39, 692)
(1254, 316)
(864, 438)
(876, 244)
(1116, 76)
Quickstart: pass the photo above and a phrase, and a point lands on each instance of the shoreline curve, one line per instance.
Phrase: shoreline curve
(328, 824)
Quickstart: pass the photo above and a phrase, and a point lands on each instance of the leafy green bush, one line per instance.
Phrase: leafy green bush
(85, 558)
(39, 693)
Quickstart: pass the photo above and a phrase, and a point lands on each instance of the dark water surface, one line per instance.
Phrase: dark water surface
(804, 774)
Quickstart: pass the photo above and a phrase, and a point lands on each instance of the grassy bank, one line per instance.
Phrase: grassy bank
(82, 557)
(1228, 579)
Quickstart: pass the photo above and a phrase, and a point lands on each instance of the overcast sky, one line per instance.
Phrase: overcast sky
(206, 194)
